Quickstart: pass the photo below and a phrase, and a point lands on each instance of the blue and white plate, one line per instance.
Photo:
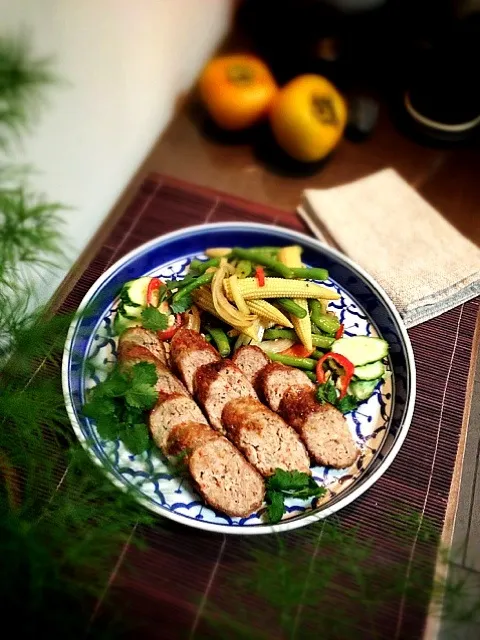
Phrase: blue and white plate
(379, 425)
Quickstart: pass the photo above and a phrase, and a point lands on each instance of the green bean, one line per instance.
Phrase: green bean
(270, 250)
(328, 324)
(292, 361)
(208, 337)
(292, 307)
(311, 375)
(258, 257)
(206, 278)
(317, 354)
(273, 334)
(311, 273)
(324, 342)
(220, 338)
(243, 269)
(179, 284)
(199, 267)
(315, 329)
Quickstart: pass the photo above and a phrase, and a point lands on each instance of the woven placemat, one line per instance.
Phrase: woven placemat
(183, 573)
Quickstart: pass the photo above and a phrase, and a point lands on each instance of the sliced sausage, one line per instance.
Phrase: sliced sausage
(188, 436)
(276, 378)
(189, 351)
(216, 384)
(167, 383)
(251, 360)
(172, 410)
(322, 427)
(137, 336)
(225, 479)
(263, 437)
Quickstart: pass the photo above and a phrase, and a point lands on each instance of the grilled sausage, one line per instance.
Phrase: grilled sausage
(188, 436)
(137, 336)
(189, 351)
(276, 378)
(322, 427)
(216, 384)
(167, 383)
(172, 410)
(225, 479)
(263, 437)
(251, 360)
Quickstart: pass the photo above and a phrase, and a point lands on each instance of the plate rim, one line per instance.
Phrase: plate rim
(255, 529)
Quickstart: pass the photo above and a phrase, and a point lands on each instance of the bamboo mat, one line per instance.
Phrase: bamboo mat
(171, 587)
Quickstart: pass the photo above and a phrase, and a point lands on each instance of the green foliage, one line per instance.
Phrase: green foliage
(23, 79)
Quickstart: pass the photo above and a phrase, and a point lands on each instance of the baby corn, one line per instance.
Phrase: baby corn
(280, 288)
(266, 310)
(203, 299)
(290, 256)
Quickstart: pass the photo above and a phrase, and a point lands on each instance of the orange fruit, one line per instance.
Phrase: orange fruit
(237, 90)
(308, 118)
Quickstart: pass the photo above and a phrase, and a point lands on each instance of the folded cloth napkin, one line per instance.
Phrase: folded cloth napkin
(424, 264)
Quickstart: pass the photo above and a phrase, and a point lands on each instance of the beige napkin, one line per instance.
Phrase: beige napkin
(423, 263)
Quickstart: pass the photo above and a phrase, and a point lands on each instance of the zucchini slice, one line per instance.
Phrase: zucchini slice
(361, 350)
(363, 389)
(370, 371)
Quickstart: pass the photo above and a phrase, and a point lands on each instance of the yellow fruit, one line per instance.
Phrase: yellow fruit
(308, 117)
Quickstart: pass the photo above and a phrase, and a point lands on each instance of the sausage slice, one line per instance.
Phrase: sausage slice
(137, 336)
(189, 351)
(322, 427)
(251, 360)
(225, 479)
(188, 436)
(216, 384)
(172, 410)
(263, 437)
(276, 378)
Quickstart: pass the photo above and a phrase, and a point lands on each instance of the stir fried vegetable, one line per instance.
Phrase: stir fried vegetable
(263, 296)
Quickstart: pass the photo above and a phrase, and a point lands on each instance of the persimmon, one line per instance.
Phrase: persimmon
(308, 117)
(237, 90)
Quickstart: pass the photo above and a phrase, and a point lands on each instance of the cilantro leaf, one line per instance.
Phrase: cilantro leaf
(135, 438)
(289, 484)
(182, 305)
(275, 506)
(144, 373)
(326, 392)
(154, 320)
(287, 480)
(347, 404)
(118, 405)
(107, 427)
(142, 396)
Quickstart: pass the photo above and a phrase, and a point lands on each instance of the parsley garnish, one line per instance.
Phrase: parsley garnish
(118, 405)
(327, 392)
(180, 306)
(154, 320)
(289, 484)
